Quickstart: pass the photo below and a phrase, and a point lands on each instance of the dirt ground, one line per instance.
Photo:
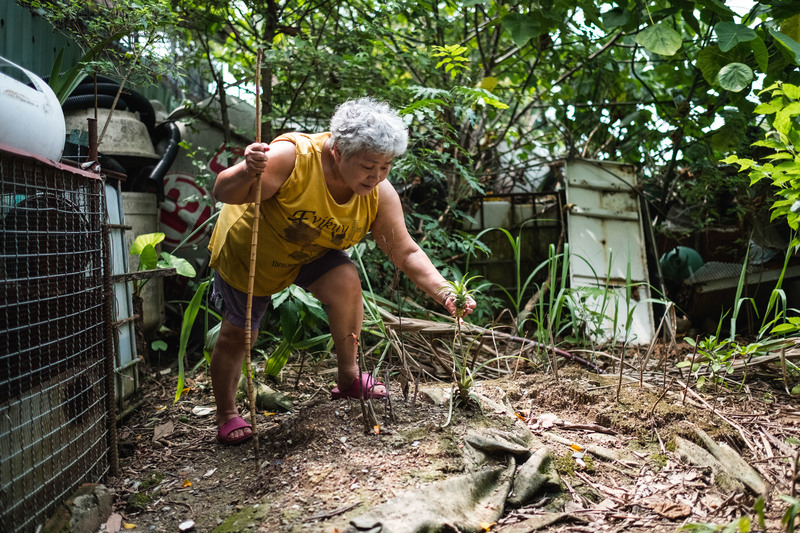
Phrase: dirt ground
(620, 461)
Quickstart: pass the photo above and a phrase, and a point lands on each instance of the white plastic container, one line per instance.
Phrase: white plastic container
(31, 118)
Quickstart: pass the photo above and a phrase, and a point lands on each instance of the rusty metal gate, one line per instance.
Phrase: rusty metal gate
(54, 397)
(606, 236)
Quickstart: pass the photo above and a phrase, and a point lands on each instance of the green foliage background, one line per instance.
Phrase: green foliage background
(494, 91)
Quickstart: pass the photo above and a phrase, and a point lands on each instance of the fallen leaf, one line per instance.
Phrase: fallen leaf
(163, 430)
(377, 429)
(114, 523)
(202, 410)
(620, 494)
(548, 420)
(571, 507)
(210, 472)
(126, 525)
(672, 510)
(665, 508)
(576, 448)
(187, 483)
(606, 505)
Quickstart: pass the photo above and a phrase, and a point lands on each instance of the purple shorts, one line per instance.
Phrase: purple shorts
(233, 302)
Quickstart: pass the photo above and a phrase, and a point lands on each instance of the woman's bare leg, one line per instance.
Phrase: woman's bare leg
(339, 290)
(226, 369)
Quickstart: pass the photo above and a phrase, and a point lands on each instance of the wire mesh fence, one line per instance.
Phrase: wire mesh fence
(53, 388)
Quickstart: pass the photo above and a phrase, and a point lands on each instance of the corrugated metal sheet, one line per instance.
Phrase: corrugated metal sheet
(29, 41)
(605, 236)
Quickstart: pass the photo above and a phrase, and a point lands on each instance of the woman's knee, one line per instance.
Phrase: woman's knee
(231, 338)
(339, 285)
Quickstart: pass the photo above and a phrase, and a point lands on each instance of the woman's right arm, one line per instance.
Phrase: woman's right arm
(274, 163)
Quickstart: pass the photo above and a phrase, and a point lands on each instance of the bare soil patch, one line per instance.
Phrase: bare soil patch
(320, 467)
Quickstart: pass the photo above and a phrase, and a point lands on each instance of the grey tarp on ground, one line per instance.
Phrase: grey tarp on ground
(460, 503)
(469, 502)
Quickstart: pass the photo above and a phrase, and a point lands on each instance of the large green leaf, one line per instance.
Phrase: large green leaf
(761, 53)
(189, 317)
(730, 34)
(710, 61)
(279, 298)
(181, 265)
(144, 240)
(783, 118)
(64, 83)
(767, 108)
(691, 21)
(592, 13)
(616, 17)
(792, 46)
(148, 258)
(791, 91)
(480, 97)
(290, 317)
(277, 360)
(735, 77)
(718, 7)
(791, 26)
(522, 27)
(660, 39)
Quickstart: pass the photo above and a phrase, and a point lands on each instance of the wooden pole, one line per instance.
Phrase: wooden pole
(248, 341)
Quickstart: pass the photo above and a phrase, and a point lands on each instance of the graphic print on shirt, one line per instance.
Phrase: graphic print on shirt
(306, 227)
(318, 224)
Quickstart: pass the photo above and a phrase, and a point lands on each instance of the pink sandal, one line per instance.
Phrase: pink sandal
(237, 422)
(364, 386)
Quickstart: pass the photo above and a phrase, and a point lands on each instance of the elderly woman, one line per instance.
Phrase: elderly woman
(321, 193)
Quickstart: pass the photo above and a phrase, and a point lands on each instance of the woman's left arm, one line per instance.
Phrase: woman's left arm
(389, 231)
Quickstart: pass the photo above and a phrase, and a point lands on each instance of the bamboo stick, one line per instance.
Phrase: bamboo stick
(248, 341)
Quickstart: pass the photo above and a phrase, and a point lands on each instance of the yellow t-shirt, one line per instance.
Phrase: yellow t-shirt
(299, 224)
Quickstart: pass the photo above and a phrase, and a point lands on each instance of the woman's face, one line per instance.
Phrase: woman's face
(363, 171)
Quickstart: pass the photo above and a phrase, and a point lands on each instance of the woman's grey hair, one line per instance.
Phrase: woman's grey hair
(366, 124)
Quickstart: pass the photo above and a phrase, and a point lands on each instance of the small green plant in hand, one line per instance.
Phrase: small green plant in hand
(463, 373)
(461, 293)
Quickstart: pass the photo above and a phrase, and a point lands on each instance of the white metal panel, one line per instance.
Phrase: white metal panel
(605, 236)
(126, 363)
